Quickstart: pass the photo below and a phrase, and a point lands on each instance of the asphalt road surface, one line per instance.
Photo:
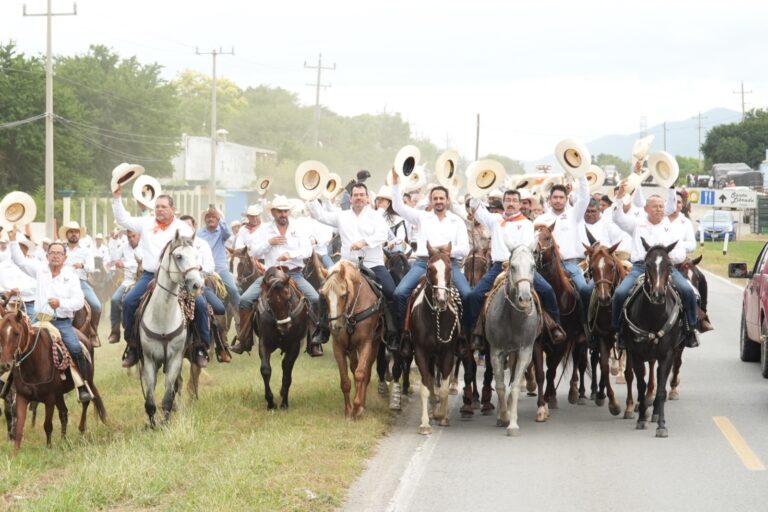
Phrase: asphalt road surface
(583, 458)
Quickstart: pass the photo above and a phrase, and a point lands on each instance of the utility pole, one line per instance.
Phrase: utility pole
(743, 104)
(317, 85)
(49, 222)
(212, 180)
(477, 138)
(643, 126)
(699, 128)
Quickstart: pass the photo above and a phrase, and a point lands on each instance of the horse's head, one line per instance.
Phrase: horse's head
(14, 338)
(520, 274)
(439, 274)
(545, 239)
(607, 272)
(339, 290)
(276, 288)
(182, 266)
(658, 268)
(689, 268)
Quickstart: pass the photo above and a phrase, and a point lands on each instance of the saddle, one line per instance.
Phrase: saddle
(215, 282)
(645, 336)
(187, 306)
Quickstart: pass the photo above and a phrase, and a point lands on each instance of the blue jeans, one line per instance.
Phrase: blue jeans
(215, 302)
(232, 292)
(30, 308)
(638, 269)
(131, 303)
(116, 308)
(585, 290)
(411, 280)
(327, 261)
(251, 295)
(384, 278)
(68, 336)
(90, 296)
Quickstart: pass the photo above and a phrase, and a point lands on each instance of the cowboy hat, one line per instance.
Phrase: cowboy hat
(71, 226)
(333, 186)
(98, 236)
(483, 176)
(280, 203)
(385, 192)
(26, 241)
(310, 179)
(641, 148)
(263, 185)
(574, 157)
(406, 160)
(446, 168)
(595, 177)
(17, 208)
(415, 180)
(254, 209)
(124, 173)
(146, 189)
(664, 168)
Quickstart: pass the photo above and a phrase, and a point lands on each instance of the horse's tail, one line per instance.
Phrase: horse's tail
(100, 411)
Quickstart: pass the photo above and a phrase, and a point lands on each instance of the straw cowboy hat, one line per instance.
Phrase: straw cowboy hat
(574, 157)
(263, 185)
(406, 160)
(71, 226)
(310, 179)
(664, 168)
(146, 189)
(254, 209)
(385, 192)
(280, 203)
(483, 176)
(446, 167)
(333, 186)
(17, 208)
(25, 241)
(124, 173)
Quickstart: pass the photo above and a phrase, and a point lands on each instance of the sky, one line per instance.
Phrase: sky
(535, 73)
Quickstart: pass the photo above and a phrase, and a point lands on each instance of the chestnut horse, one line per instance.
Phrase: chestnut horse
(28, 352)
(354, 313)
(247, 270)
(281, 321)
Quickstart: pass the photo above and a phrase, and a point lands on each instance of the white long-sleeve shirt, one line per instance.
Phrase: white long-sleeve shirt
(320, 235)
(567, 223)
(654, 234)
(11, 276)
(245, 236)
(368, 226)
(297, 245)
(65, 286)
(429, 228)
(205, 253)
(80, 254)
(607, 233)
(128, 256)
(154, 237)
(516, 230)
(684, 231)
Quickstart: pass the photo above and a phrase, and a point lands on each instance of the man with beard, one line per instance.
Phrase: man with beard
(81, 259)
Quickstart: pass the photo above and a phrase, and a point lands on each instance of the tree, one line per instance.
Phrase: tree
(688, 165)
(738, 142)
(622, 166)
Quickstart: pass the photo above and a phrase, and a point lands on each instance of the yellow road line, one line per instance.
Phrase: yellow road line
(739, 445)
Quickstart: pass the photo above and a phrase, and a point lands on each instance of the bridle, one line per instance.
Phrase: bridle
(453, 304)
(274, 283)
(178, 270)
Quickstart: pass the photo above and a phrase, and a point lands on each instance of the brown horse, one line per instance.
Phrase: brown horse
(314, 271)
(435, 326)
(281, 320)
(28, 351)
(549, 265)
(354, 313)
(247, 270)
(476, 265)
(607, 273)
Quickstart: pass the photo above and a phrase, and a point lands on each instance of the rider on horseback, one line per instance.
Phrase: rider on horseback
(127, 259)
(363, 232)
(216, 233)
(81, 259)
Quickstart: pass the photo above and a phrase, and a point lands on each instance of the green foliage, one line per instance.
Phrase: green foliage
(688, 165)
(511, 165)
(622, 166)
(738, 142)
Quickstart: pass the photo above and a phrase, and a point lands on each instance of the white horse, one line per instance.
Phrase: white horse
(512, 325)
(163, 330)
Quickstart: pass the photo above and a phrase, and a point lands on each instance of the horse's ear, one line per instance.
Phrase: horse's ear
(590, 237)
(552, 226)
(177, 236)
(613, 248)
(587, 248)
(671, 246)
(697, 260)
(645, 244)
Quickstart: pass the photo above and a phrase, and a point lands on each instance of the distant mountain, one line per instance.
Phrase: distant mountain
(682, 137)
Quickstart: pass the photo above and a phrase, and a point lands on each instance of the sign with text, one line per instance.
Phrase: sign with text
(735, 198)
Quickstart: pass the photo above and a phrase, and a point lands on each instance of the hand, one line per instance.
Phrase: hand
(277, 240)
(54, 303)
(358, 245)
(395, 177)
(622, 190)
(14, 292)
(259, 265)
(12, 234)
(283, 257)
(638, 167)
(118, 193)
(119, 264)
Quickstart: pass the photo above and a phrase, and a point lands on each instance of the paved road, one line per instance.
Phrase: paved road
(585, 459)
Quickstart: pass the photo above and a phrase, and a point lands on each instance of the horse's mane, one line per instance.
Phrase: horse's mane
(339, 272)
(183, 240)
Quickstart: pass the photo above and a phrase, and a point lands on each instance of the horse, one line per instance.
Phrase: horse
(163, 325)
(281, 318)
(247, 270)
(314, 271)
(435, 320)
(355, 316)
(398, 265)
(607, 273)
(512, 325)
(652, 329)
(28, 351)
(549, 265)
(476, 265)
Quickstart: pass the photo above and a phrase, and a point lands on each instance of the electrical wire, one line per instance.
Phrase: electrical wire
(14, 124)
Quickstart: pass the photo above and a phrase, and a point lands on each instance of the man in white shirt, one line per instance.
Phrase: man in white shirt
(80, 259)
(14, 281)
(437, 227)
(248, 230)
(363, 233)
(280, 242)
(127, 261)
(155, 232)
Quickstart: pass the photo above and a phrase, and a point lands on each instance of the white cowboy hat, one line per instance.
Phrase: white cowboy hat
(263, 185)
(385, 192)
(280, 203)
(406, 160)
(595, 177)
(234, 223)
(483, 176)
(446, 168)
(25, 241)
(641, 148)
(310, 179)
(496, 193)
(45, 240)
(524, 194)
(17, 208)
(124, 173)
(415, 180)
(146, 189)
(664, 168)
(99, 236)
(297, 207)
(254, 209)
(333, 186)
(574, 157)
(71, 226)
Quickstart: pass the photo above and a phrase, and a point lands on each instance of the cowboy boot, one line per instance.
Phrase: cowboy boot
(83, 395)
(556, 333)
(245, 333)
(478, 334)
(132, 353)
(322, 332)
(704, 323)
(95, 318)
(114, 336)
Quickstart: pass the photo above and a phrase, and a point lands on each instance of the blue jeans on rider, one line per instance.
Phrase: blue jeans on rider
(233, 295)
(116, 306)
(131, 304)
(251, 295)
(384, 278)
(681, 283)
(68, 336)
(411, 280)
(210, 296)
(90, 296)
(327, 261)
(584, 289)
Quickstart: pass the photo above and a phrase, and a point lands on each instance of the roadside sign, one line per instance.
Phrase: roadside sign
(707, 197)
(735, 198)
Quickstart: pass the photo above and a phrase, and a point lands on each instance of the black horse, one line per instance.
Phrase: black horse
(652, 329)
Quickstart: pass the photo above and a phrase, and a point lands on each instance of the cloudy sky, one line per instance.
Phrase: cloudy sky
(535, 73)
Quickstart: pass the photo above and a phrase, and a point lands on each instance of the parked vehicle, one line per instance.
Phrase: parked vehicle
(611, 175)
(753, 338)
(718, 224)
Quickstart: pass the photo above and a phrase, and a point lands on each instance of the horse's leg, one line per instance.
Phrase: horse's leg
(172, 374)
(530, 379)
(454, 379)
(346, 383)
(362, 377)
(427, 381)
(396, 394)
(266, 373)
(542, 408)
(83, 417)
(473, 380)
(677, 364)
(650, 393)
(149, 374)
(594, 361)
(521, 363)
(406, 365)
(193, 385)
(499, 362)
(381, 369)
(553, 362)
(21, 418)
(289, 360)
(61, 405)
(665, 365)
(629, 376)
(470, 372)
(48, 422)
(639, 368)
(485, 401)
(605, 353)
(441, 413)
(582, 374)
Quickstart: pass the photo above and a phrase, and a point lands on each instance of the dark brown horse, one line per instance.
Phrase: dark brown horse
(314, 271)
(247, 269)
(476, 265)
(281, 320)
(435, 326)
(28, 351)
(354, 313)
(549, 265)
(398, 265)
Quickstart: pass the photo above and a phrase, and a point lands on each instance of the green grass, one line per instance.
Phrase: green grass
(739, 251)
(222, 452)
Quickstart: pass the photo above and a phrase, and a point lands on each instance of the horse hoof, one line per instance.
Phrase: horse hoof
(655, 418)
(425, 431)
(573, 396)
(444, 422)
(662, 432)
(674, 395)
(615, 410)
(593, 396)
(513, 432)
(582, 400)
(284, 405)
(383, 388)
(541, 416)
(487, 409)
(502, 423)
(641, 425)
(475, 403)
(271, 407)
(628, 415)
(453, 389)
(599, 402)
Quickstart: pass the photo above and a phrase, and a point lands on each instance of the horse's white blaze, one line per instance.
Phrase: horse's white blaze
(441, 290)
(659, 259)
(690, 274)
(601, 265)
(333, 308)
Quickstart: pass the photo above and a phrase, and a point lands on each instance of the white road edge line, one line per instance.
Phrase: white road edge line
(723, 280)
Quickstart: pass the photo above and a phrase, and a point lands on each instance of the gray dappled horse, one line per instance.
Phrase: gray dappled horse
(163, 330)
(512, 325)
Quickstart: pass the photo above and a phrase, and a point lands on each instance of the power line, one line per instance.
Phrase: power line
(106, 131)
(317, 85)
(743, 104)
(116, 152)
(14, 124)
